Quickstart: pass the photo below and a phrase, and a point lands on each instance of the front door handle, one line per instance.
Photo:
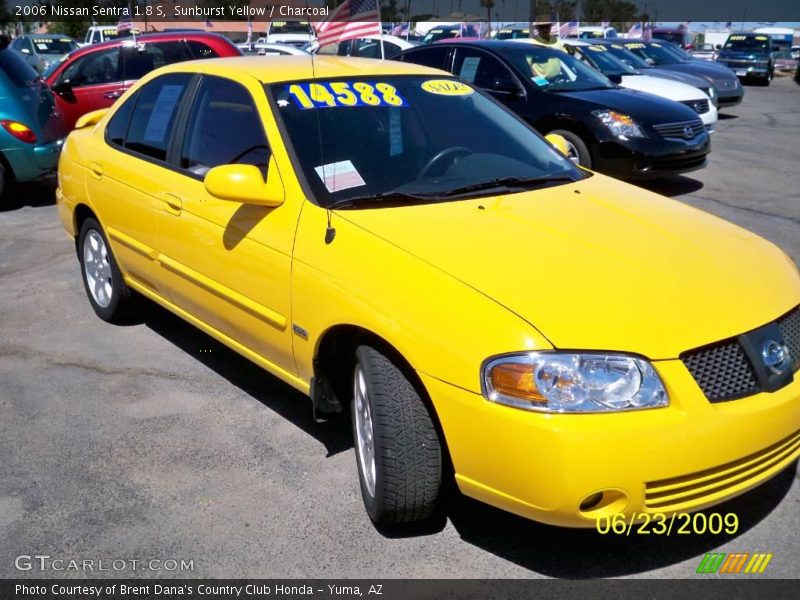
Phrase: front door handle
(172, 204)
(112, 95)
(96, 170)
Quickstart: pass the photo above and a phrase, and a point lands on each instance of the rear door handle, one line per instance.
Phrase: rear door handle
(112, 95)
(96, 170)
(172, 204)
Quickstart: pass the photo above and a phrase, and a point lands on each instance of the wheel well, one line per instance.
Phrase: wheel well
(335, 361)
(7, 168)
(82, 212)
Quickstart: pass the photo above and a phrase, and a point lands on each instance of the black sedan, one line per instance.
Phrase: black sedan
(623, 133)
(665, 56)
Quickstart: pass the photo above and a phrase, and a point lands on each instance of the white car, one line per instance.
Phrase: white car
(264, 49)
(292, 33)
(598, 56)
(366, 47)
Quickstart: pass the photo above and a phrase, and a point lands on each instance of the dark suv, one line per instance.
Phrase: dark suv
(749, 55)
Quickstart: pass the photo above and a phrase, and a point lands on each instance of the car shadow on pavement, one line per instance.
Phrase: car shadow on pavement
(33, 194)
(675, 185)
(725, 116)
(334, 434)
(586, 554)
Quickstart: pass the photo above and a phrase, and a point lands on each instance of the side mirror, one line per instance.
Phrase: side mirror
(245, 183)
(559, 142)
(615, 78)
(63, 87)
(90, 118)
(718, 47)
(504, 86)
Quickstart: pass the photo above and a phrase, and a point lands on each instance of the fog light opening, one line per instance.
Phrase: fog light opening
(591, 501)
(603, 503)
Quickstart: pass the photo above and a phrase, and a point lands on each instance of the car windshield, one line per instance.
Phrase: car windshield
(555, 71)
(674, 37)
(440, 33)
(513, 34)
(606, 62)
(745, 43)
(654, 53)
(410, 139)
(628, 57)
(53, 45)
(300, 27)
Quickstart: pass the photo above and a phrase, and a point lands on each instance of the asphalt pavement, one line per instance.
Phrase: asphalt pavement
(152, 441)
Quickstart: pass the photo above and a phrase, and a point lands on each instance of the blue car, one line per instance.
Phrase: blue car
(31, 127)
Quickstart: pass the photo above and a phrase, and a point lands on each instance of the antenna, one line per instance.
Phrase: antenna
(330, 231)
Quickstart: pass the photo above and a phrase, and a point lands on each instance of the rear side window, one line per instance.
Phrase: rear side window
(429, 57)
(117, 127)
(224, 128)
(139, 60)
(201, 50)
(154, 115)
(16, 68)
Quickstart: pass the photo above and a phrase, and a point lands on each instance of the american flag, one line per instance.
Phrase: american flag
(19, 30)
(400, 30)
(647, 32)
(125, 23)
(249, 30)
(352, 19)
(568, 28)
(635, 31)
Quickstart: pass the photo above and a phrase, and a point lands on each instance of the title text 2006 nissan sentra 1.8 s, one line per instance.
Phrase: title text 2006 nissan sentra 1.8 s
(394, 243)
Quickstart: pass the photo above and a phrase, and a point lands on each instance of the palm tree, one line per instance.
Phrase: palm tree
(488, 5)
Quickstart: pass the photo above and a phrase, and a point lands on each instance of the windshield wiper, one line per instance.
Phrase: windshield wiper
(508, 182)
(386, 197)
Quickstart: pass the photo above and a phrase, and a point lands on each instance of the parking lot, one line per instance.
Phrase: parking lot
(152, 441)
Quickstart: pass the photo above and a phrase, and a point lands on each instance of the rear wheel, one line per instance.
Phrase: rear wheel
(578, 151)
(398, 451)
(2, 183)
(109, 295)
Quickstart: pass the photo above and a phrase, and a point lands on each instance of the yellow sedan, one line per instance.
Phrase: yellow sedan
(396, 245)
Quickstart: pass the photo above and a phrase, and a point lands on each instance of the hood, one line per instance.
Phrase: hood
(644, 108)
(672, 90)
(600, 264)
(728, 55)
(688, 78)
(702, 69)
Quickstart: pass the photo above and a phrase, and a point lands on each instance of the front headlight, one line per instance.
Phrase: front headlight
(620, 125)
(566, 382)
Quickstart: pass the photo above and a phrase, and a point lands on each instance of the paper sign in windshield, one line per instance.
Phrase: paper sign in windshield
(446, 87)
(339, 176)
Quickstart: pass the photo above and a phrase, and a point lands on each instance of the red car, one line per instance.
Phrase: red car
(94, 76)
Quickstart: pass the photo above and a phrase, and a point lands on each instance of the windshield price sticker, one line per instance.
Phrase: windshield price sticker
(636, 45)
(331, 94)
(738, 37)
(446, 87)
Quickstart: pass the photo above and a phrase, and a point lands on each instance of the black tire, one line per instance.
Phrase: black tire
(581, 149)
(407, 451)
(123, 303)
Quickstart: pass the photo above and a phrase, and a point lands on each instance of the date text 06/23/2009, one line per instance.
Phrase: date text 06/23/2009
(668, 524)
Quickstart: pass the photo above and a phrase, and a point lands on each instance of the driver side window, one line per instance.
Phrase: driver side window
(479, 68)
(224, 128)
(93, 69)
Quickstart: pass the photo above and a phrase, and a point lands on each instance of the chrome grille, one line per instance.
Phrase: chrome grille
(685, 130)
(723, 370)
(699, 106)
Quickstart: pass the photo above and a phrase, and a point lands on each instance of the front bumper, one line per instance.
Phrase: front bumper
(639, 159)
(690, 455)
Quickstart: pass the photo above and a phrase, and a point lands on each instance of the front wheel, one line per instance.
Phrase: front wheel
(398, 451)
(109, 295)
(578, 151)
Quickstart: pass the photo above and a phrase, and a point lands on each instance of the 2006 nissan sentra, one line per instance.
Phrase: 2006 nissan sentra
(394, 243)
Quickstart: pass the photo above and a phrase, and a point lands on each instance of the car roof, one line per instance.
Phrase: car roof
(493, 45)
(149, 37)
(273, 69)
